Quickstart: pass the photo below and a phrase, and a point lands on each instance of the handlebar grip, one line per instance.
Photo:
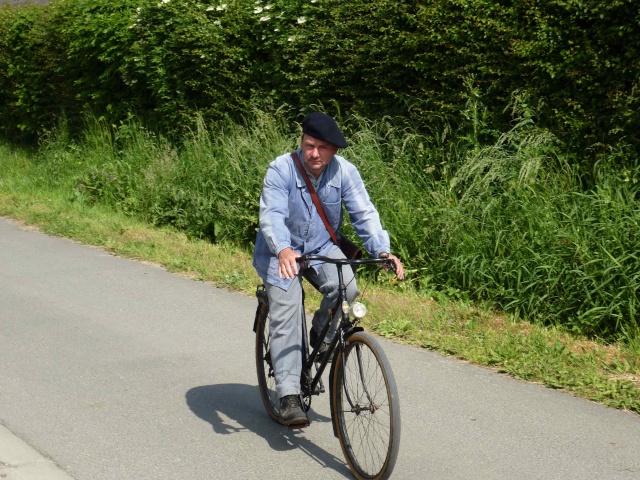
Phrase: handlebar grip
(391, 265)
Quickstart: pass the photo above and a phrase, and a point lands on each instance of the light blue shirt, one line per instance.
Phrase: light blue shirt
(288, 217)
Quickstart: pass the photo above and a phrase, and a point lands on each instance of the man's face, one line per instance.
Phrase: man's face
(316, 154)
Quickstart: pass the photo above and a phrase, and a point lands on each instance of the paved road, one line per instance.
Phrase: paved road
(114, 369)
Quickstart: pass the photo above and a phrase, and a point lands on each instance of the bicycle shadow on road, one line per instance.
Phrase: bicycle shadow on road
(233, 408)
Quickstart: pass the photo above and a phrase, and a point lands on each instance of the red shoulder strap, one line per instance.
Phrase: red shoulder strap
(314, 197)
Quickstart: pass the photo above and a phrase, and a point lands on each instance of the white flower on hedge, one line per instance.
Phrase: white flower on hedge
(258, 10)
(221, 7)
(210, 8)
(301, 19)
(291, 39)
(217, 23)
(268, 7)
(166, 1)
(265, 18)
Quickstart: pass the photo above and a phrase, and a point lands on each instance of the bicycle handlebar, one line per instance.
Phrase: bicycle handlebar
(346, 261)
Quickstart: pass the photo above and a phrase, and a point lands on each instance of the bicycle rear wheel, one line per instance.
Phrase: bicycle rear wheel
(266, 377)
(365, 408)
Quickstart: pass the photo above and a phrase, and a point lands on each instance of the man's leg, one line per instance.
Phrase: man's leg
(326, 281)
(286, 336)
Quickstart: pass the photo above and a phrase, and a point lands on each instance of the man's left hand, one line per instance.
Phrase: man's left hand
(398, 265)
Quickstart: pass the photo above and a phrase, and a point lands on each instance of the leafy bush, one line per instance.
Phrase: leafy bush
(192, 57)
(33, 85)
(576, 61)
(98, 44)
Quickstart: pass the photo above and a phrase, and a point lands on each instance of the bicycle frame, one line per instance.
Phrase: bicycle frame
(346, 328)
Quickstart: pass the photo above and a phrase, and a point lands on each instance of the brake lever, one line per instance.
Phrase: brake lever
(388, 264)
(392, 265)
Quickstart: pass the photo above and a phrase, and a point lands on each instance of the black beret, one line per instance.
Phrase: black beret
(323, 127)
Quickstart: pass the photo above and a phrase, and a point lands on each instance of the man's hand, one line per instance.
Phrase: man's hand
(397, 264)
(287, 265)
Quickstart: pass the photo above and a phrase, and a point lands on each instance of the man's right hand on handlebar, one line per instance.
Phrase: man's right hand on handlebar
(287, 264)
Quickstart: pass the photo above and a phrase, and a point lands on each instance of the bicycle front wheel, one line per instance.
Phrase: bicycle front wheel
(365, 408)
(264, 366)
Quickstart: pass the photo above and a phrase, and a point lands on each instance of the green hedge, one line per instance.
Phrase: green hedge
(34, 88)
(576, 61)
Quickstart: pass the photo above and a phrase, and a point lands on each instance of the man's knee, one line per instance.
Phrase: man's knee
(331, 293)
(352, 292)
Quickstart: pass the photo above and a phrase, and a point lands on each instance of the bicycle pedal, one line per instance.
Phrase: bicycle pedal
(320, 387)
(298, 426)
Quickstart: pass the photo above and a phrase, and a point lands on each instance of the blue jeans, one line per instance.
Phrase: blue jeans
(285, 308)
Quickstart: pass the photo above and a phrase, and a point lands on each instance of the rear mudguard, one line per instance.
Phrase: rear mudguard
(263, 302)
(332, 374)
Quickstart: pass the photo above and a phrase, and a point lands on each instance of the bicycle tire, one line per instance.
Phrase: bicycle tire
(369, 432)
(266, 377)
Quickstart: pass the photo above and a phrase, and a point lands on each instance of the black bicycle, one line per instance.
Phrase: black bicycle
(365, 409)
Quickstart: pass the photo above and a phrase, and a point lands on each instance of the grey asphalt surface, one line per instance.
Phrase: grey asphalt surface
(115, 369)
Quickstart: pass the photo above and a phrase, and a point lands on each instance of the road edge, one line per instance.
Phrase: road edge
(19, 461)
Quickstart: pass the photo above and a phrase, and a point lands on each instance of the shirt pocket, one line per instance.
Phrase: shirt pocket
(332, 204)
(330, 195)
(272, 270)
(333, 211)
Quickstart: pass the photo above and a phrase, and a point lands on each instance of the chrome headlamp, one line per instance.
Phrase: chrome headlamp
(358, 310)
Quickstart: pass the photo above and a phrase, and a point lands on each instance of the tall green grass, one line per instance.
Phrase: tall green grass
(534, 242)
(507, 222)
(207, 186)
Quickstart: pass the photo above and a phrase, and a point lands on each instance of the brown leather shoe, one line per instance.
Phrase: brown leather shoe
(291, 412)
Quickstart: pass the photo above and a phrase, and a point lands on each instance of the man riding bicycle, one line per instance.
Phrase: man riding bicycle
(290, 226)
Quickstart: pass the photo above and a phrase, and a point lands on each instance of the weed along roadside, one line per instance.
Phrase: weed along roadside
(608, 373)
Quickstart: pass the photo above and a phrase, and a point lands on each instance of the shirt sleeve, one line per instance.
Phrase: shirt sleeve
(274, 209)
(362, 213)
